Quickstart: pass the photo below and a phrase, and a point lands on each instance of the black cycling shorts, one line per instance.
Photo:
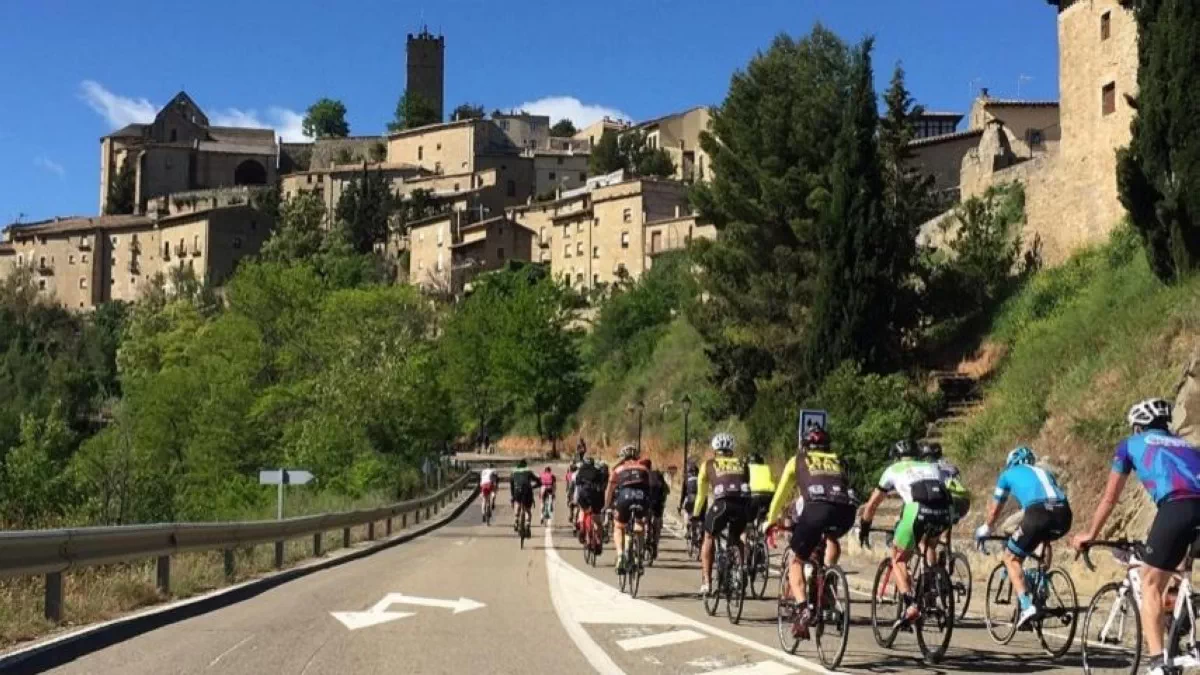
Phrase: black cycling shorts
(589, 497)
(819, 519)
(1172, 533)
(523, 496)
(961, 506)
(760, 505)
(629, 498)
(1041, 524)
(729, 512)
(659, 505)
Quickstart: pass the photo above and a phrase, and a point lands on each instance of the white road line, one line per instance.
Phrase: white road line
(229, 651)
(591, 651)
(673, 637)
(763, 668)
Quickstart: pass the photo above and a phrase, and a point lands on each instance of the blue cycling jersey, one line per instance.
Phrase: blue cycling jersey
(1167, 465)
(1029, 485)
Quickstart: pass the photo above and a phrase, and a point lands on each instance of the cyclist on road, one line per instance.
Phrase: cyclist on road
(489, 481)
(926, 514)
(630, 486)
(1169, 468)
(589, 494)
(659, 490)
(762, 487)
(547, 480)
(728, 477)
(522, 484)
(960, 496)
(824, 507)
(691, 484)
(1047, 518)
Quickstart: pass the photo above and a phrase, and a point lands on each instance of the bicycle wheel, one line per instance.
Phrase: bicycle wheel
(885, 605)
(623, 575)
(1000, 605)
(785, 607)
(521, 528)
(1056, 626)
(960, 579)
(712, 599)
(1112, 632)
(935, 596)
(832, 632)
(760, 567)
(637, 558)
(735, 587)
(694, 542)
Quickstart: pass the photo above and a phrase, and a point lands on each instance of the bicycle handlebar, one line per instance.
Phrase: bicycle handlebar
(1117, 544)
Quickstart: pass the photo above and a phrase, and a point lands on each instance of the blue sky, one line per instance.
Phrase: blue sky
(75, 69)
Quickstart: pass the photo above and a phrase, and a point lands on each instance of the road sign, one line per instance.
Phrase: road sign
(812, 418)
(284, 477)
(380, 612)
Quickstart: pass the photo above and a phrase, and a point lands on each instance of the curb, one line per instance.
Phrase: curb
(57, 651)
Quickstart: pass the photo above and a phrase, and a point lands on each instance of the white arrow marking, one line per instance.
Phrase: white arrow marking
(356, 620)
(459, 606)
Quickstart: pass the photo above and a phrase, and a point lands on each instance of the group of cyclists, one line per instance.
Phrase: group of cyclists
(814, 499)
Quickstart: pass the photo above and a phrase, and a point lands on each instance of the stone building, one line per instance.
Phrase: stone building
(427, 69)
(181, 151)
(86, 261)
(592, 132)
(933, 124)
(448, 250)
(557, 170)
(679, 134)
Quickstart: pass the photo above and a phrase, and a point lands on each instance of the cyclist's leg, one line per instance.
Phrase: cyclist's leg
(1171, 535)
(622, 502)
(714, 523)
(806, 534)
(908, 533)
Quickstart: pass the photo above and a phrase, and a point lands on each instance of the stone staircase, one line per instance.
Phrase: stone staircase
(961, 396)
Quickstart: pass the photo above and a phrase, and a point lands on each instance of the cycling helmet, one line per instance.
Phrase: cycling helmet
(548, 470)
(815, 439)
(903, 450)
(1021, 455)
(931, 451)
(521, 464)
(1152, 412)
(723, 443)
(756, 458)
(629, 452)
(589, 461)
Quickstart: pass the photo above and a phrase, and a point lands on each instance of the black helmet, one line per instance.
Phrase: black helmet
(903, 450)
(931, 451)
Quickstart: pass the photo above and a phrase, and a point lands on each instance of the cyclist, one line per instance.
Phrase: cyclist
(926, 514)
(1047, 518)
(522, 483)
(691, 483)
(1169, 468)
(580, 451)
(569, 479)
(762, 487)
(729, 479)
(488, 482)
(547, 480)
(659, 490)
(960, 496)
(630, 485)
(589, 494)
(824, 507)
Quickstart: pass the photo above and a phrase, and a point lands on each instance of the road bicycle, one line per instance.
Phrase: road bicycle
(652, 539)
(957, 567)
(694, 534)
(829, 593)
(758, 561)
(1112, 628)
(1053, 594)
(593, 538)
(487, 509)
(729, 578)
(934, 596)
(635, 550)
(523, 524)
(547, 508)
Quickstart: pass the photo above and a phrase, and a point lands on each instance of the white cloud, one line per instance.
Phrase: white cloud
(47, 164)
(286, 123)
(569, 107)
(118, 110)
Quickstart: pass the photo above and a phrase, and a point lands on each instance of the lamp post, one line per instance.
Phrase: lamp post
(687, 409)
(641, 406)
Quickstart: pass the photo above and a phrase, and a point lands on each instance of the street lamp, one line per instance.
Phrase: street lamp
(687, 409)
(641, 406)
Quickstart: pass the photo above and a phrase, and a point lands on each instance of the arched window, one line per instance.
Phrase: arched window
(250, 172)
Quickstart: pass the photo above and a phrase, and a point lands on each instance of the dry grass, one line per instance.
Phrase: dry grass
(105, 592)
(983, 362)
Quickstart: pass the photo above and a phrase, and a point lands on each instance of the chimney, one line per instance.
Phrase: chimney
(983, 93)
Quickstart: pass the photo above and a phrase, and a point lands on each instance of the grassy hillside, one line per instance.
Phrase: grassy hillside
(1067, 356)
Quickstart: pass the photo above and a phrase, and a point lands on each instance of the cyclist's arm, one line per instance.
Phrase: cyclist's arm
(873, 503)
(701, 492)
(1116, 483)
(610, 488)
(998, 499)
(783, 491)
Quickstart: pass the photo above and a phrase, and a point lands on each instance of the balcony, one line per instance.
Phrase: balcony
(180, 251)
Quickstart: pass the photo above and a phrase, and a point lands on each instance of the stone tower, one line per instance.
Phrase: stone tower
(426, 68)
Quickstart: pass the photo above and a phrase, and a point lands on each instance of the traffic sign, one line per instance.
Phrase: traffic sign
(284, 476)
(812, 418)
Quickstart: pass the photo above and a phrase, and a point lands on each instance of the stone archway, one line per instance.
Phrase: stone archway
(250, 172)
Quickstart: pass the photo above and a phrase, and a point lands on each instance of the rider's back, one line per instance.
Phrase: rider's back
(1167, 465)
(1029, 485)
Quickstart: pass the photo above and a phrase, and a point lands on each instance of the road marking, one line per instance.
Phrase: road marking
(459, 606)
(762, 668)
(357, 620)
(673, 637)
(555, 567)
(229, 651)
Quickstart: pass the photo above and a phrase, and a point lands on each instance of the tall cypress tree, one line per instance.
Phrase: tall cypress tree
(365, 210)
(1159, 173)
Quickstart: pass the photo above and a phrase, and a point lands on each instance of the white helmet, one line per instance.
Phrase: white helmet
(723, 443)
(1149, 411)
(629, 452)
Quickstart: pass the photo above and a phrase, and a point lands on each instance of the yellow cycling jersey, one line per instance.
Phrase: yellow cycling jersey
(724, 477)
(761, 481)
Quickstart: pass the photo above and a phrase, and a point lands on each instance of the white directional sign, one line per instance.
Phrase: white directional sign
(284, 476)
(380, 613)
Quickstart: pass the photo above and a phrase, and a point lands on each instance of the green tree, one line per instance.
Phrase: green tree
(467, 111)
(122, 189)
(378, 151)
(412, 111)
(1159, 173)
(325, 119)
(365, 209)
(631, 152)
(563, 128)
(299, 231)
(606, 156)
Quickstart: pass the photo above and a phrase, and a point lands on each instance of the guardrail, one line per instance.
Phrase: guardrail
(52, 552)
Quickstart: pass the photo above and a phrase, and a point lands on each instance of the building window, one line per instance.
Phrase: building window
(83, 282)
(439, 146)
(542, 234)
(420, 152)
(566, 232)
(166, 250)
(595, 279)
(582, 176)
(456, 187)
(579, 278)
(595, 251)
(1108, 98)
(196, 244)
(174, 135)
(625, 239)
(512, 188)
(1105, 25)
(579, 248)
(41, 284)
(500, 254)
(114, 260)
(579, 226)
(1036, 138)
(114, 242)
(595, 222)
(567, 251)
(83, 258)
(70, 260)
(627, 216)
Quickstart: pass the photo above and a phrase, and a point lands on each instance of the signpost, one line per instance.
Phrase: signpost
(283, 477)
(810, 419)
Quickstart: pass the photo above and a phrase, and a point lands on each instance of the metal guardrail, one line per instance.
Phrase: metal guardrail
(52, 552)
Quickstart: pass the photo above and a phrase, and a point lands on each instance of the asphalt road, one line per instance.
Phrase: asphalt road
(537, 610)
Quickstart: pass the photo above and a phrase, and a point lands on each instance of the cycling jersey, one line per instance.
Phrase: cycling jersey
(1168, 466)
(630, 474)
(1029, 485)
(523, 480)
(761, 481)
(691, 485)
(729, 478)
(915, 482)
(548, 480)
(818, 476)
(487, 477)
